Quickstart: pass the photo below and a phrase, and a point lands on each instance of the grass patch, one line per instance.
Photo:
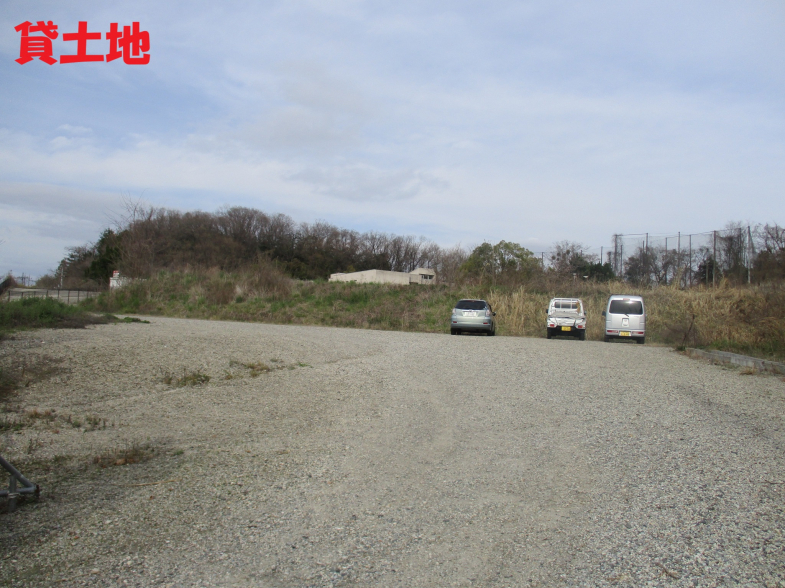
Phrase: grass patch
(257, 368)
(126, 455)
(194, 378)
(132, 319)
(254, 369)
(13, 419)
(37, 313)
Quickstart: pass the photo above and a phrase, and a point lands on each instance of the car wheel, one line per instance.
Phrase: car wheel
(641, 341)
(492, 332)
(607, 339)
(549, 334)
(452, 331)
(582, 335)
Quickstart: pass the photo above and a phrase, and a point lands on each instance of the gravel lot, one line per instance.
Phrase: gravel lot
(375, 458)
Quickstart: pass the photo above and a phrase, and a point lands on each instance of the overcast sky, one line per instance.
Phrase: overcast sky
(531, 122)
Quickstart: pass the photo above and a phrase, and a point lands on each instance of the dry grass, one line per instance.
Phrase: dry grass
(192, 378)
(21, 372)
(748, 320)
(126, 455)
(200, 291)
(254, 369)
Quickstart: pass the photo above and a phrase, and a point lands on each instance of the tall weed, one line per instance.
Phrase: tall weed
(743, 319)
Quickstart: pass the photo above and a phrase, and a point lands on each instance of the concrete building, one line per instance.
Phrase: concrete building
(118, 281)
(421, 275)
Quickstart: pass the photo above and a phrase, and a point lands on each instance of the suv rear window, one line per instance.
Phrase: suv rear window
(626, 307)
(470, 305)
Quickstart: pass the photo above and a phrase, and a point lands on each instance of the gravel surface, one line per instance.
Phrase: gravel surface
(387, 459)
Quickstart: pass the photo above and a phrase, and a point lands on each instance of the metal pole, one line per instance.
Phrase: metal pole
(678, 251)
(615, 255)
(714, 262)
(690, 260)
(749, 255)
(644, 260)
(29, 487)
(666, 255)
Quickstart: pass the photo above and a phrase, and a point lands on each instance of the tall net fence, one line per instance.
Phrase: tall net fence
(742, 254)
(689, 259)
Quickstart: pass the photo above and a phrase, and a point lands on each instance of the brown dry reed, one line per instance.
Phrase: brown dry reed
(744, 319)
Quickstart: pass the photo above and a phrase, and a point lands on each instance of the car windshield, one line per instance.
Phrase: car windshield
(470, 305)
(568, 305)
(626, 307)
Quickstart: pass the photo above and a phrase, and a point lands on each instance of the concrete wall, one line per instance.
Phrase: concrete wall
(418, 276)
(372, 276)
(118, 282)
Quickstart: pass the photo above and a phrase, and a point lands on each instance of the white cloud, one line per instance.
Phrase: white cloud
(75, 129)
(38, 222)
(364, 183)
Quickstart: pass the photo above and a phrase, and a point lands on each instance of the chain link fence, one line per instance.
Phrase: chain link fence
(689, 259)
(741, 254)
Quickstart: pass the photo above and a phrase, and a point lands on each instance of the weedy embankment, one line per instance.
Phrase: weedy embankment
(747, 320)
(36, 313)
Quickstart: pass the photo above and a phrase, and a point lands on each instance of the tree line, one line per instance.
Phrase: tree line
(150, 239)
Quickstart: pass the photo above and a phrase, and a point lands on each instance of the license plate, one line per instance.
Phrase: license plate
(470, 313)
(566, 328)
(624, 333)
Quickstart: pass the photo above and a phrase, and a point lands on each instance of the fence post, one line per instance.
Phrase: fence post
(616, 254)
(666, 256)
(714, 262)
(749, 255)
(678, 251)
